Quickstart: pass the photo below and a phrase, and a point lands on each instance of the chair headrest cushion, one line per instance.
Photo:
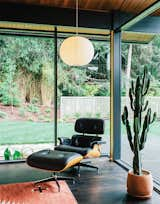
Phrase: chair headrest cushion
(89, 125)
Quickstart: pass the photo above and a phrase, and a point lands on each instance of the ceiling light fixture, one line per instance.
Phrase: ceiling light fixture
(76, 50)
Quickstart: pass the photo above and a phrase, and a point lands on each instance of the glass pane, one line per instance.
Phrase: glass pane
(26, 95)
(135, 58)
(85, 92)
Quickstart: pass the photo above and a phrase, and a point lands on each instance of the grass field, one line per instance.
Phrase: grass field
(21, 132)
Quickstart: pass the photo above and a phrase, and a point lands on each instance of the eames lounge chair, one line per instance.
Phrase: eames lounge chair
(87, 143)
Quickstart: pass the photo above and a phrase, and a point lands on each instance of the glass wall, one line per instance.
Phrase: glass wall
(134, 58)
(26, 95)
(85, 92)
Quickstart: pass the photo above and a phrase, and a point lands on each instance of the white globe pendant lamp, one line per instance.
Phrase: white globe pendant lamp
(76, 50)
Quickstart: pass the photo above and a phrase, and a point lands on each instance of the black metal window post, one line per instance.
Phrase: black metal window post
(55, 86)
(115, 98)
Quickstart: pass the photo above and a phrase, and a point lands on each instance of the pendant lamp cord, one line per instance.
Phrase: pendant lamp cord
(76, 17)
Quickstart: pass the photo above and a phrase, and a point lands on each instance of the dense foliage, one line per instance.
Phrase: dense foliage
(21, 66)
(144, 55)
(27, 70)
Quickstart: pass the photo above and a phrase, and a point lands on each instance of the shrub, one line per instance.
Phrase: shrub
(41, 117)
(47, 110)
(30, 119)
(3, 114)
(103, 91)
(47, 119)
(7, 100)
(66, 118)
(34, 100)
(9, 94)
(77, 115)
(98, 115)
(33, 108)
(88, 115)
(22, 112)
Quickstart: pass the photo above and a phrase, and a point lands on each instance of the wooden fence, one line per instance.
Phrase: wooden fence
(97, 106)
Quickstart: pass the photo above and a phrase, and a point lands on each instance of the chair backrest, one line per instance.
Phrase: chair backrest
(87, 126)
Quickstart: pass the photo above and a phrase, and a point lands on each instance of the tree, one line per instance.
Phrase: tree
(22, 59)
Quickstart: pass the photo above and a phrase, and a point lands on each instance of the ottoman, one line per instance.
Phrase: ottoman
(54, 161)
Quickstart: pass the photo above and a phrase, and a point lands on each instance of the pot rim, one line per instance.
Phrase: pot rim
(148, 173)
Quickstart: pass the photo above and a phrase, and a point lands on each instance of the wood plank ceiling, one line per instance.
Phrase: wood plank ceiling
(129, 6)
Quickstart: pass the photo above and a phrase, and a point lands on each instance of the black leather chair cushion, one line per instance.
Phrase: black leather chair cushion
(89, 126)
(84, 141)
(51, 160)
(80, 150)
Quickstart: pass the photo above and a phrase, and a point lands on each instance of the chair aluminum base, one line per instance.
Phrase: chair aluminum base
(85, 164)
(55, 178)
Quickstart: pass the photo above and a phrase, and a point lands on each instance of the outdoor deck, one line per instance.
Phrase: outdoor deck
(108, 187)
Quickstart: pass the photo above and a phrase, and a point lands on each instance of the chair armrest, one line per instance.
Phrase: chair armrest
(64, 140)
(98, 143)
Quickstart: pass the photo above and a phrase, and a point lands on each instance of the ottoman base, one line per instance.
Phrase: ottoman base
(37, 184)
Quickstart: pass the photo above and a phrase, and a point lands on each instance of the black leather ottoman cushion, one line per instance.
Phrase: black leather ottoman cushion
(80, 150)
(51, 160)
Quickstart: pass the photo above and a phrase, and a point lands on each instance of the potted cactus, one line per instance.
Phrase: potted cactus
(139, 181)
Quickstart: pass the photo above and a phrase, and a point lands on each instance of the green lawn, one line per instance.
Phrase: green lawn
(21, 132)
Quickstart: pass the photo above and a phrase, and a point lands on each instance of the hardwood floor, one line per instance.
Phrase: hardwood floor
(109, 187)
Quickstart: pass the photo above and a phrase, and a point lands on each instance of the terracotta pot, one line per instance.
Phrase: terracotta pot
(140, 186)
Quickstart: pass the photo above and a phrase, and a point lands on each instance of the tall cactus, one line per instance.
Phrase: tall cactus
(138, 136)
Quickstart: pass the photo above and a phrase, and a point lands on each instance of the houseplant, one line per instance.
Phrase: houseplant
(139, 181)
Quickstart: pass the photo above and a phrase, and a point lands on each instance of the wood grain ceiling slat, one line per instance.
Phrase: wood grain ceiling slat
(132, 6)
(81, 3)
(86, 4)
(66, 2)
(136, 6)
(71, 4)
(101, 4)
(105, 5)
(116, 4)
(91, 5)
(157, 13)
(59, 3)
(141, 6)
